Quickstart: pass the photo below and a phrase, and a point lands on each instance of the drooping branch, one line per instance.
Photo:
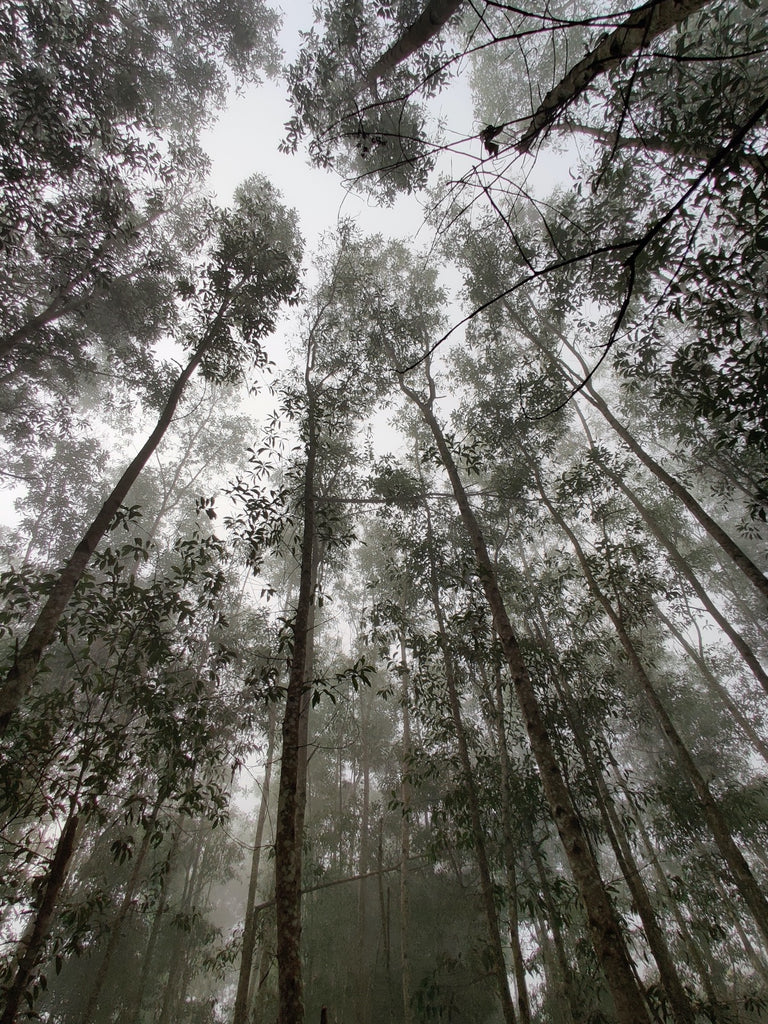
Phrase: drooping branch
(642, 26)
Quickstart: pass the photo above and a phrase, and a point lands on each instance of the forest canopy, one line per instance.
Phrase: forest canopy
(382, 620)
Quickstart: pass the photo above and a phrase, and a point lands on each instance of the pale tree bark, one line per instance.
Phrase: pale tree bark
(740, 870)
(21, 675)
(240, 1014)
(478, 840)
(435, 15)
(33, 941)
(604, 929)
(635, 33)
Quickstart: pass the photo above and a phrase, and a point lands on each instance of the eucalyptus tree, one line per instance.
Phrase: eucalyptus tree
(102, 754)
(249, 270)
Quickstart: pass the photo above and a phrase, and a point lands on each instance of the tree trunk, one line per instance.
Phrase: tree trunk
(32, 943)
(727, 544)
(288, 840)
(116, 929)
(642, 26)
(604, 929)
(435, 14)
(716, 687)
(240, 1015)
(739, 868)
(478, 840)
(22, 672)
(682, 1010)
(510, 853)
(406, 756)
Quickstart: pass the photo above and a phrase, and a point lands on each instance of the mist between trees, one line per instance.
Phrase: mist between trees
(467, 724)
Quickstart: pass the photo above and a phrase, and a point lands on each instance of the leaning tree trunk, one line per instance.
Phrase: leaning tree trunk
(721, 537)
(27, 660)
(32, 943)
(428, 24)
(240, 1014)
(288, 839)
(684, 569)
(604, 929)
(740, 870)
(641, 27)
(682, 1010)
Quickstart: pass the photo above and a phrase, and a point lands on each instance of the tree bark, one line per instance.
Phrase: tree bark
(642, 26)
(32, 943)
(435, 14)
(19, 679)
(604, 929)
(682, 1010)
(720, 536)
(478, 840)
(240, 1014)
(116, 929)
(288, 840)
(739, 868)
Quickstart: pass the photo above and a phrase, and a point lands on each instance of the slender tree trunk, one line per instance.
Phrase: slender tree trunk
(642, 26)
(688, 574)
(717, 688)
(406, 757)
(510, 853)
(32, 943)
(478, 840)
(176, 957)
(288, 840)
(682, 1010)
(249, 925)
(726, 543)
(20, 677)
(116, 929)
(740, 870)
(692, 948)
(561, 980)
(604, 929)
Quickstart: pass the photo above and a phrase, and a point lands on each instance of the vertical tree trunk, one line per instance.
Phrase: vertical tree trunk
(116, 929)
(249, 925)
(478, 839)
(22, 672)
(288, 839)
(406, 756)
(32, 943)
(604, 929)
(510, 853)
(739, 868)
